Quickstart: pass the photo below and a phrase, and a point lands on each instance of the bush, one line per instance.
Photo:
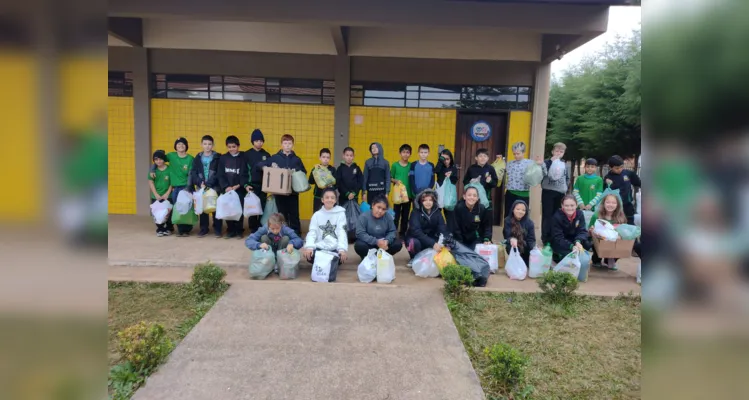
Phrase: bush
(506, 366)
(558, 287)
(208, 279)
(123, 381)
(144, 346)
(458, 279)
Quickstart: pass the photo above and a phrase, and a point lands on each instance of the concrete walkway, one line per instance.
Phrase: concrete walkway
(304, 340)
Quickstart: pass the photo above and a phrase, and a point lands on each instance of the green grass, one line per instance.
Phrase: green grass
(174, 306)
(588, 348)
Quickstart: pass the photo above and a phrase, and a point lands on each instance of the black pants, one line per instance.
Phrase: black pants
(205, 222)
(181, 228)
(167, 225)
(316, 204)
(362, 248)
(629, 212)
(237, 227)
(511, 198)
(288, 206)
(253, 223)
(414, 246)
(551, 201)
(402, 212)
(449, 220)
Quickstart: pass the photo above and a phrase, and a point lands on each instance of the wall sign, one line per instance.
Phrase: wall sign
(481, 131)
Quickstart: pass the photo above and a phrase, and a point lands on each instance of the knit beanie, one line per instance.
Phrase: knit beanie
(181, 140)
(257, 135)
(159, 154)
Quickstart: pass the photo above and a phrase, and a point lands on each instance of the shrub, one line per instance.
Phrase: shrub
(458, 279)
(124, 380)
(144, 346)
(558, 287)
(506, 366)
(208, 279)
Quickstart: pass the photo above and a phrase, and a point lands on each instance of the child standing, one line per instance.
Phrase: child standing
(180, 164)
(255, 156)
(446, 169)
(327, 229)
(619, 178)
(400, 173)
(517, 189)
(589, 187)
(421, 174)
(348, 178)
(519, 231)
(483, 173)
(288, 205)
(275, 236)
(552, 191)
(473, 222)
(376, 179)
(317, 194)
(161, 188)
(426, 225)
(233, 176)
(204, 175)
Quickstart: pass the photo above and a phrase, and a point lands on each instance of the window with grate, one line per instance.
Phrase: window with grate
(384, 94)
(243, 88)
(120, 84)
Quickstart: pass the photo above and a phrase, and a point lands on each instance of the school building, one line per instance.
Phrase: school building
(462, 74)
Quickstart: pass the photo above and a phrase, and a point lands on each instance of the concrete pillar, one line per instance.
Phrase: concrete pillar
(142, 126)
(342, 93)
(540, 110)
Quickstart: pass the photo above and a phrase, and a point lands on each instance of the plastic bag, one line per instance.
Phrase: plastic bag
(400, 193)
(465, 256)
(210, 198)
(444, 258)
(556, 170)
(160, 210)
(322, 176)
(367, 270)
(638, 220)
(365, 207)
(261, 264)
(228, 207)
(299, 182)
(197, 201)
(537, 263)
(440, 190)
(570, 263)
(588, 216)
(548, 256)
(424, 265)
(582, 276)
(385, 267)
(628, 232)
(325, 266)
(499, 166)
(183, 203)
(391, 212)
(451, 195)
(252, 205)
(482, 193)
(490, 253)
(515, 267)
(533, 175)
(352, 215)
(270, 209)
(287, 264)
(639, 272)
(605, 230)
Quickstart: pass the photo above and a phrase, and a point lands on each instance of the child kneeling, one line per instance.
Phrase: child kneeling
(568, 230)
(274, 236)
(375, 229)
(519, 231)
(327, 229)
(426, 225)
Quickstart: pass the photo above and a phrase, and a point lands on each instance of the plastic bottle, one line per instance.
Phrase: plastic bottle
(547, 253)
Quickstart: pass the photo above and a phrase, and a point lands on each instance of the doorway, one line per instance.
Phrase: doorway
(476, 130)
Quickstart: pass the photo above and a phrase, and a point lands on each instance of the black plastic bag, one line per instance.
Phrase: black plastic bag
(466, 256)
(352, 215)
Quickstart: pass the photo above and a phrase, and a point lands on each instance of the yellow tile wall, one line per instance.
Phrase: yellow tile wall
(519, 131)
(394, 127)
(311, 126)
(121, 161)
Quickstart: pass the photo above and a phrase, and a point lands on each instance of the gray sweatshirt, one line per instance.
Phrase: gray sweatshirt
(370, 229)
(516, 174)
(559, 185)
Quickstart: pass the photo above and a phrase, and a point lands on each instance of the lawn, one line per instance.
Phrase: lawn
(588, 350)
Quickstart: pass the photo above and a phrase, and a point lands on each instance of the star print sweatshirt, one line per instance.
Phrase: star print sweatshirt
(327, 230)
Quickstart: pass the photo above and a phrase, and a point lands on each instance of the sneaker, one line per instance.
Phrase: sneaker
(160, 234)
(166, 233)
(203, 233)
(180, 234)
(218, 235)
(410, 264)
(230, 236)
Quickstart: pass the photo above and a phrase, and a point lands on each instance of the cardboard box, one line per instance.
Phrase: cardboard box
(276, 180)
(619, 249)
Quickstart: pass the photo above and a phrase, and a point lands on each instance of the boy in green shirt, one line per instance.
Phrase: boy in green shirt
(399, 174)
(180, 165)
(588, 188)
(160, 183)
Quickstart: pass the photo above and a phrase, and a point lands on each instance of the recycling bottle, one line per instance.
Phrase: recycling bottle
(547, 253)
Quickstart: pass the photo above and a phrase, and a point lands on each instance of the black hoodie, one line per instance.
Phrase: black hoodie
(254, 159)
(526, 224)
(477, 171)
(441, 169)
(232, 171)
(349, 179)
(426, 226)
(472, 226)
(564, 233)
(196, 177)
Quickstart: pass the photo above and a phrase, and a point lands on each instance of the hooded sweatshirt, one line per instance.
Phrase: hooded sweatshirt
(197, 173)
(370, 229)
(624, 183)
(377, 172)
(253, 241)
(565, 232)
(441, 169)
(426, 226)
(477, 171)
(349, 179)
(254, 159)
(327, 230)
(232, 170)
(526, 224)
(472, 226)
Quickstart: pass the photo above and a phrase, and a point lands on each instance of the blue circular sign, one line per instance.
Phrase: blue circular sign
(481, 131)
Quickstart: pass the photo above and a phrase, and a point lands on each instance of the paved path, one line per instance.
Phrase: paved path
(265, 340)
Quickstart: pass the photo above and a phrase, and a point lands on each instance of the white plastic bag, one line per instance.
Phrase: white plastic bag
(638, 220)
(605, 230)
(515, 267)
(252, 205)
(424, 265)
(197, 201)
(440, 189)
(385, 267)
(538, 265)
(639, 272)
(367, 270)
(490, 253)
(160, 210)
(556, 171)
(183, 203)
(323, 269)
(570, 263)
(588, 216)
(228, 207)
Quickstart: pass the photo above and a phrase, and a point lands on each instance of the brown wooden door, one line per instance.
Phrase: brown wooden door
(466, 146)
